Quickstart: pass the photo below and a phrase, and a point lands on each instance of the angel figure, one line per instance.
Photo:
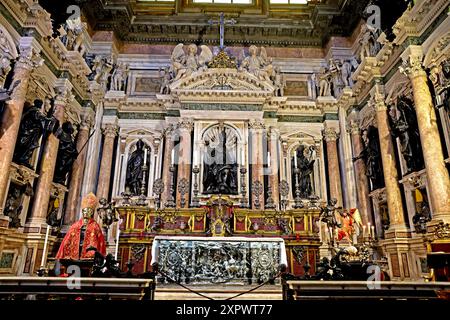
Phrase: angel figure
(183, 65)
(258, 65)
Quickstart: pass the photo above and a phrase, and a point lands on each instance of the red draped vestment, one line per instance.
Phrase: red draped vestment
(93, 237)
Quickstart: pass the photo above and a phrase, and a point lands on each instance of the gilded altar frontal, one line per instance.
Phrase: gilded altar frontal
(224, 149)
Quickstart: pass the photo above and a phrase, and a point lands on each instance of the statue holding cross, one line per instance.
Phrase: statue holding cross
(222, 22)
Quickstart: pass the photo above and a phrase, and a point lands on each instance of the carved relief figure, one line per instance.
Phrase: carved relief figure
(369, 44)
(184, 65)
(404, 126)
(32, 127)
(279, 81)
(67, 153)
(135, 169)
(305, 162)
(219, 162)
(258, 65)
(120, 76)
(371, 156)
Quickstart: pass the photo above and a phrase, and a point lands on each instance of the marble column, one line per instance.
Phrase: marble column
(185, 128)
(437, 173)
(334, 171)
(394, 199)
(104, 178)
(76, 178)
(45, 180)
(28, 60)
(167, 162)
(256, 130)
(274, 136)
(362, 181)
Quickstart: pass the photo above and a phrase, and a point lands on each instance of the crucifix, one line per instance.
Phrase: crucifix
(222, 22)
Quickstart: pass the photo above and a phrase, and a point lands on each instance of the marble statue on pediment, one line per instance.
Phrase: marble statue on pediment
(166, 77)
(120, 76)
(368, 41)
(257, 63)
(185, 63)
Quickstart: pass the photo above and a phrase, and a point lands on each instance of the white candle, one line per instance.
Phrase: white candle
(368, 229)
(116, 252)
(330, 230)
(145, 156)
(295, 161)
(268, 159)
(44, 253)
(373, 232)
(243, 157)
(364, 231)
(173, 156)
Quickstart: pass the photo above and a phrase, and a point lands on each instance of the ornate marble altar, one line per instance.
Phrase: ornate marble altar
(200, 260)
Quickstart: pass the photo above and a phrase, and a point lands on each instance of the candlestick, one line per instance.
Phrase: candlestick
(116, 252)
(44, 253)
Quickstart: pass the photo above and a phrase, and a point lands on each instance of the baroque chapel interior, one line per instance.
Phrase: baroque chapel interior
(301, 147)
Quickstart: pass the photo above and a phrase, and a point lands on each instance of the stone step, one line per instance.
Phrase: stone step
(217, 292)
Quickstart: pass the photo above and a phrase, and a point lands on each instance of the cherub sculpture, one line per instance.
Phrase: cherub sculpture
(183, 65)
(257, 64)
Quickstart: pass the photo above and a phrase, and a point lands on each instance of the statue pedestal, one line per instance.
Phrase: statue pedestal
(218, 260)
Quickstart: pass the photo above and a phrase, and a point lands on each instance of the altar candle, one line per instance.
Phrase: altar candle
(44, 253)
(116, 252)
(373, 232)
(330, 230)
(295, 161)
(243, 157)
(268, 159)
(173, 157)
(145, 156)
(368, 230)
(364, 231)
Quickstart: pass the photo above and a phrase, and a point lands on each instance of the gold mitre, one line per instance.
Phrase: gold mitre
(89, 201)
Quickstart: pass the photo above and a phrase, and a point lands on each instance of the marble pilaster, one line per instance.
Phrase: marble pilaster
(76, 178)
(394, 199)
(257, 168)
(109, 132)
(437, 173)
(274, 165)
(167, 162)
(362, 181)
(334, 171)
(184, 159)
(45, 180)
(28, 60)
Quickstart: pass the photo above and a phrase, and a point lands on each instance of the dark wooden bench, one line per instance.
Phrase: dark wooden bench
(360, 290)
(37, 288)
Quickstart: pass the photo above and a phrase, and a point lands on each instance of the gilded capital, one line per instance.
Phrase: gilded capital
(330, 134)
(110, 130)
(412, 62)
(87, 121)
(186, 124)
(257, 125)
(64, 95)
(353, 127)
